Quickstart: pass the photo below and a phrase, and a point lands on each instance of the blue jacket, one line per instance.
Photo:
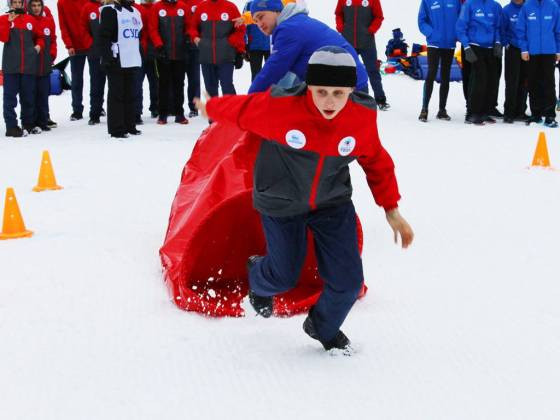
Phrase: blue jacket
(538, 27)
(294, 39)
(437, 20)
(479, 23)
(510, 17)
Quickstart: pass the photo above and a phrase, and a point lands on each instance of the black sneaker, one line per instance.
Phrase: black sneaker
(193, 114)
(474, 119)
(32, 129)
(508, 120)
(94, 121)
(135, 132)
(535, 120)
(120, 136)
(76, 116)
(15, 132)
(181, 120)
(442, 115)
(383, 105)
(522, 117)
(340, 341)
(139, 120)
(44, 127)
(51, 123)
(495, 113)
(154, 114)
(550, 122)
(261, 304)
(423, 115)
(488, 119)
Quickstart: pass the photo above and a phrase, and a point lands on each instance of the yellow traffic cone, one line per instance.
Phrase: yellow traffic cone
(13, 226)
(541, 153)
(46, 181)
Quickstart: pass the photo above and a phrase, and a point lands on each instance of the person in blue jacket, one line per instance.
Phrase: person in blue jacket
(436, 20)
(295, 37)
(258, 45)
(538, 30)
(515, 68)
(478, 30)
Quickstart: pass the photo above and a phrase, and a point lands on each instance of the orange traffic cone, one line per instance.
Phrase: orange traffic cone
(13, 226)
(46, 180)
(541, 153)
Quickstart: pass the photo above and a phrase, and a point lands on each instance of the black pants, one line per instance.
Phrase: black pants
(516, 83)
(542, 92)
(435, 55)
(120, 100)
(256, 59)
(482, 82)
(171, 77)
(499, 69)
(465, 75)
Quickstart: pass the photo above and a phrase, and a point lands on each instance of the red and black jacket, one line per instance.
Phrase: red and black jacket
(146, 46)
(358, 21)
(20, 38)
(220, 41)
(303, 163)
(192, 6)
(167, 26)
(89, 21)
(47, 55)
(71, 30)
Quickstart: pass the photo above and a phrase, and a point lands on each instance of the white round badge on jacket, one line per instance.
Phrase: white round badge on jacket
(29, 26)
(162, 13)
(204, 17)
(180, 12)
(296, 139)
(346, 146)
(193, 9)
(47, 31)
(225, 17)
(365, 3)
(348, 3)
(92, 16)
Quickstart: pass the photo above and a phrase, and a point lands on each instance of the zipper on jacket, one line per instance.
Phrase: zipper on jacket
(355, 26)
(214, 41)
(315, 184)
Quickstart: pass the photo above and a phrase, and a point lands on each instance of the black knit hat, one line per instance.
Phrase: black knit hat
(331, 66)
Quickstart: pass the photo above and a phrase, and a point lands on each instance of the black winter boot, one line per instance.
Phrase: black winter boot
(340, 341)
(261, 304)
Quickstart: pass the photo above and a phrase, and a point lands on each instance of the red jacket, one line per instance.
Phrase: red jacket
(166, 25)
(20, 38)
(191, 5)
(303, 162)
(47, 55)
(71, 30)
(145, 41)
(89, 22)
(219, 39)
(358, 21)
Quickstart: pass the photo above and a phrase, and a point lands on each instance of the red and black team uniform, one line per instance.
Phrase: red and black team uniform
(148, 68)
(19, 66)
(89, 20)
(220, 43)
(167, 25)
(47, 56)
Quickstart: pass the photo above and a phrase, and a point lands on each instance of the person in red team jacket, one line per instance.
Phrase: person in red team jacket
(167, 26)
(22, 44)
(148, 68)
(193, 62)
(47, 56)
(72, 34)
(301, 180)
(220, 43)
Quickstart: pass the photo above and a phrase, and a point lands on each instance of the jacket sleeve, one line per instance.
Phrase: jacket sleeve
(377, 16)
(38, 36)
(83, 21)
(194, 24)
(53, 51)
(521, 31)
(4, 29)
(153, 27)
(339, 15)
(557, 31)
(65, 34)
(380, 174)
(108, 33)
(424, 23)
(497, 23)
(248, 112)
(237, 37)
(462, 25)
(288, 48)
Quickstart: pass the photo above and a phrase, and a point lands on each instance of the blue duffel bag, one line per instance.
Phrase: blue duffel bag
(56, 82)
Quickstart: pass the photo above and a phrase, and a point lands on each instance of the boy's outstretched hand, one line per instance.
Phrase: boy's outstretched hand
(400, 226)
(201, 106)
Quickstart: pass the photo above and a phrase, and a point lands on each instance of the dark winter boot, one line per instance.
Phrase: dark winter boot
(94, 121)
(76, 116)
(550, 122)
(423, 115)
(15, 132)
(51, 123)
(32, 129)
(261, 304)
(383, 105)
(535, 119)
(442, 115)
(135, 132)
(474, 119)
(488, 119)
(193, 113)
(340, 341)
(496, 113)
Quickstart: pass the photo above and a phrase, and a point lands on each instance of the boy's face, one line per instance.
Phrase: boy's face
(266, 21)
(35, 8)
(16, 4)
(330, 100)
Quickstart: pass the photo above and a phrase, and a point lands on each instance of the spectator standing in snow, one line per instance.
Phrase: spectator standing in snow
(47, 56)
(220, 43)
(312, 134)
(193, 62)
(71, 30)
(436, 20)
(478, 29)
(119, 45)
(515, 68)
(89, 19)
(258, 45)
(167, 25)
(358, 21)
(22, 43)
(295, 37)
(538, 30)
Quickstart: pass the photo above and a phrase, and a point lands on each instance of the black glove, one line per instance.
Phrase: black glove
(247, 57)
(161, 54)
(470, 56)
(238, 61)
(498, 50)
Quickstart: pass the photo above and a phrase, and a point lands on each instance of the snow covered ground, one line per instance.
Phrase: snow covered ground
(464, 325)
